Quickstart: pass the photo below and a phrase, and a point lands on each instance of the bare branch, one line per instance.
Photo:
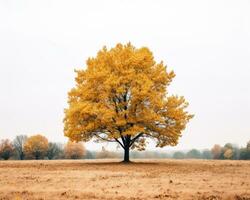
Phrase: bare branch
(120, 143)
(105, 139)
(135, 138)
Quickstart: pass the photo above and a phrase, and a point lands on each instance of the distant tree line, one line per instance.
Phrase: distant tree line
(226, 152)
(38, 147)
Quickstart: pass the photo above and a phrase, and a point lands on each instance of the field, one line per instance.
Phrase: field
(109, 179)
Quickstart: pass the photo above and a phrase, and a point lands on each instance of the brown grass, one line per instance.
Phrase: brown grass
(110, 179)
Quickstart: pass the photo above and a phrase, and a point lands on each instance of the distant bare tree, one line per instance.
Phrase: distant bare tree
(54, 150)
(18, 143)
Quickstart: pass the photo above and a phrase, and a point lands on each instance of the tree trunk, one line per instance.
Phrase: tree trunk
(126, 154)
(21, 156)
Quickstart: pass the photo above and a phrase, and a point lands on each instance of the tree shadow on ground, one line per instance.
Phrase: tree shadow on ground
(133, 162)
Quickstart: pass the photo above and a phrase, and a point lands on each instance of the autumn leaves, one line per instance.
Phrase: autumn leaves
(121, 97)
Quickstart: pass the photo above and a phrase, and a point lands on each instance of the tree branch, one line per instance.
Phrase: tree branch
(135, 138)
(105, 139)
(120, 143)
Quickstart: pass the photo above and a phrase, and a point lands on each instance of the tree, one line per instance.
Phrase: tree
(236, 153)
(74, 150)
(206, 154)
(216, 151)
(248, 145)
(228, 154)
(36, 147)
(18, 143)
(6, 149)
(194, 153)
(248, 151)
(228, 146)
(122, 97)
(179, 155)
(229, 151)
(89, 155)
(245, 152)
(54, 150)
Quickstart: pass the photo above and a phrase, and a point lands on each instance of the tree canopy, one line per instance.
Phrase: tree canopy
(74, 150)
(122, 97)
(6, 149)
(36, 147)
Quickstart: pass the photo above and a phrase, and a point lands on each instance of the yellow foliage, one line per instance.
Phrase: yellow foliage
(36, 147)
(74, 150)
(122, 96)
(228, 154)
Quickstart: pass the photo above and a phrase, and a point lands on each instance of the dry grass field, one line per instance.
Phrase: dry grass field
(109, 179)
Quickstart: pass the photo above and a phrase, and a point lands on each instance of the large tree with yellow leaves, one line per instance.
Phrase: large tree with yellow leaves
(122, 97)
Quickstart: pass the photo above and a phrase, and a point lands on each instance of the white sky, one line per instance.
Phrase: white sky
(206, 43)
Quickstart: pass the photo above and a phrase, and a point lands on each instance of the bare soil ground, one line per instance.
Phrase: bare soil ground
(109, 179)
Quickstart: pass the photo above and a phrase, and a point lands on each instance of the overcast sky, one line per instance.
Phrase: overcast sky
(206, 43)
